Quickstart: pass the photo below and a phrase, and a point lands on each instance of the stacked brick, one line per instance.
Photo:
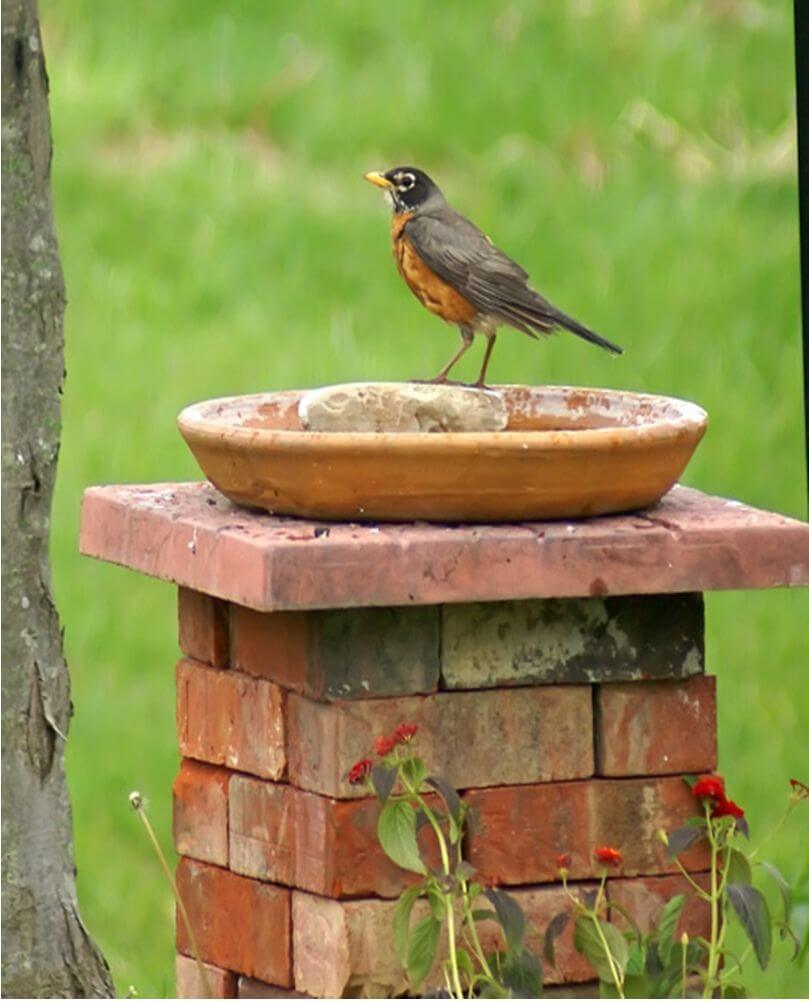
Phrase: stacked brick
(565, 724)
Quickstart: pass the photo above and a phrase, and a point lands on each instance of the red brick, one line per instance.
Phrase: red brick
(249, 988)
(187, 533)
(540, 905)
(340, 653)
(227, 718)
(240, 925)
(521, 830)
(189, 983)
(644, 897)
(344, 949)
(203, 627)
(487, 738)
(628, 813)
(304, 840)
(201, 812)
(518, 831)
(656, 728)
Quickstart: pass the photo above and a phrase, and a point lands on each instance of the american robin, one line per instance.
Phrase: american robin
(457, 273)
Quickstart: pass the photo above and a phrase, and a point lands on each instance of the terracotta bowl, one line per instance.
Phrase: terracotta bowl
(567, 453)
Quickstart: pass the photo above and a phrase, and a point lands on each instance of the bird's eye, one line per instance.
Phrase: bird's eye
(405, 182)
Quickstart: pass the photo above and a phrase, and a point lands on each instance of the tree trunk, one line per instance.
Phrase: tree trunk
(46, 949)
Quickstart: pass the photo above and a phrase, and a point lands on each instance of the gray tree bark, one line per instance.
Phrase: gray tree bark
(47, 952)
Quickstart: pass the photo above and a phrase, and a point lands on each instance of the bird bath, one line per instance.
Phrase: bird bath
(566, 452)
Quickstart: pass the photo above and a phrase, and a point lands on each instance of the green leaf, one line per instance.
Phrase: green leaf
(383, 780)
(396, 831)
(637, 961)
(734, 992)
(556, 927)
(437, 903)
(484, 915)
(667, 924)
(522, 974)
(509, 915)
(683, 838)
(637, 986)
(401, 921)
(422, 949)
(465, 962)
(751, 908)
(448, 794)
(738, 867)
(587, 941)
(415, 771)
(464, 870)
(783, 886)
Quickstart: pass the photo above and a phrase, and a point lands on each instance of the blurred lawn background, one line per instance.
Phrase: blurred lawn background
(638, 158)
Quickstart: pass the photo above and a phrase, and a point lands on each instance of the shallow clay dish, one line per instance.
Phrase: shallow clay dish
(567, 453)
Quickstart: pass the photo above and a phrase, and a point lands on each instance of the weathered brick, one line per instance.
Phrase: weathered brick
(519, 832)
(571, 640)
(628, 813)
(240, 925)
(201, 812)
(644, 897)
(250, 988)
(486, 738)
(656, 728)
(340, 653)
(189, 983)
(540, 905)
(203, 627)
(228, 718)
(300, 839)
(345, 949)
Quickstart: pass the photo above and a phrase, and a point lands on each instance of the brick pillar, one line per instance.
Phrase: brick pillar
(566, 721)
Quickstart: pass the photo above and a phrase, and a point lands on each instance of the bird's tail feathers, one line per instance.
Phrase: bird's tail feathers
(563, 320)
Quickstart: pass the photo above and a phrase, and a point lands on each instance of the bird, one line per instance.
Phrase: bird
(458, 274)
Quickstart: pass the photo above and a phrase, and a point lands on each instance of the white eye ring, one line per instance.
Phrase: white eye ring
(405, 182)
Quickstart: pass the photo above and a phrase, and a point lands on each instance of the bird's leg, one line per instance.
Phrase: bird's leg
(490, 339)
(467, 337)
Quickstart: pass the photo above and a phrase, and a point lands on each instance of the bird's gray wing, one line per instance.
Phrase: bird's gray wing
(463, 256)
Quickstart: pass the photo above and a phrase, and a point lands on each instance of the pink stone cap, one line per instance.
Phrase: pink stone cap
(190, 534)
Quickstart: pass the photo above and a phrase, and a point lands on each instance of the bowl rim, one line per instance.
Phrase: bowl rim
(690, 421)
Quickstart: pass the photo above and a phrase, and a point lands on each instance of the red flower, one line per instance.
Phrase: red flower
(727, 809)
(358, 771)
(384, 745)
(563, 861)
(404, 732)
(709, 788)
(799, 790)
(608, 856)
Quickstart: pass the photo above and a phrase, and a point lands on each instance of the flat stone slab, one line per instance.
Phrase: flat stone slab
(191, 535)
(402, 407)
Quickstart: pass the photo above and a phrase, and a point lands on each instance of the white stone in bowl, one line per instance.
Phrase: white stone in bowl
(402, 407)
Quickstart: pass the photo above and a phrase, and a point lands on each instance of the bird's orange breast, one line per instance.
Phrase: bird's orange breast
(430, 289)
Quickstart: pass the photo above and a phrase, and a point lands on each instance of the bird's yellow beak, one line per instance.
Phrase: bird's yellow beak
(378, 179)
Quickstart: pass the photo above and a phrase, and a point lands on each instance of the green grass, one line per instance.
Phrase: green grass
(217, 238)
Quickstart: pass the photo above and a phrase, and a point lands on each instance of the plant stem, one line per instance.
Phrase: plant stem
(694, 885)
(446, 895)
(619, 983)
(713, 954)
(684, 948)
(772, 832)
(136, 801)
